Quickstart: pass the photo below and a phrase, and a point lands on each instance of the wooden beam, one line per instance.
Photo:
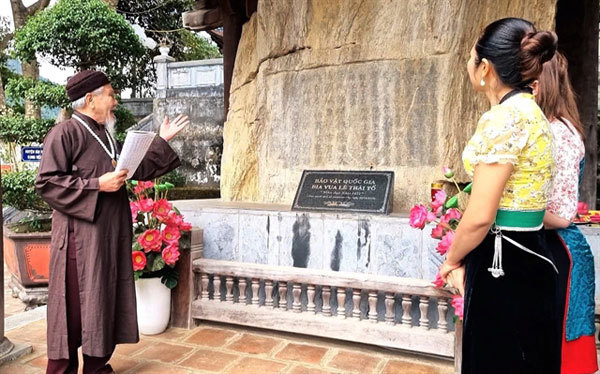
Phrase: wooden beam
(203, 19)
(186, 290)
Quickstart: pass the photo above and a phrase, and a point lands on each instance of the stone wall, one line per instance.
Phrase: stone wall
(194, 88)
(356, 243)
(348, 84)
(139, 107)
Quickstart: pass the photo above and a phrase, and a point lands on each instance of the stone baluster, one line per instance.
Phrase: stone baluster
(242, 282)
(297, 304)
(406, 304)
(255, 288)
(356, 303)
(442, 311)
(205, 280)
(326, 294)
(341, 300)
(269, 293)
(229, 287)
(389, 308)
(310, 293)
(424, 308)
(282, 295)
(373, 306)
(217, 285)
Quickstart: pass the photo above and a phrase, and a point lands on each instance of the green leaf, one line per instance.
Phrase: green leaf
(19, 191)
(137, 274)
(157, 264)
(468, 188)
(170, 278)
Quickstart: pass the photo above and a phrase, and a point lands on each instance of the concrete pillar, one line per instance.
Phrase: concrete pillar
(162, 71)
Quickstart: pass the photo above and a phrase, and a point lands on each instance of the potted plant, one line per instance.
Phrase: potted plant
(26, 240)
(157, 229)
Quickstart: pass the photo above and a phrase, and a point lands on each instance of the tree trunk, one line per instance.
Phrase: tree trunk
(31, 70)
(2, 105)
(112, 3)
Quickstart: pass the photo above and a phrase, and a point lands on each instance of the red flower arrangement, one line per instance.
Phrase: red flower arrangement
(444, 213)
(157, 228)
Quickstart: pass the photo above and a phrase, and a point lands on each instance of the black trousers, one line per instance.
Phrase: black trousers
(91, 365)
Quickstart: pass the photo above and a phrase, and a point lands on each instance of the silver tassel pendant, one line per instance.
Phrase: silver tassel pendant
(496, 268)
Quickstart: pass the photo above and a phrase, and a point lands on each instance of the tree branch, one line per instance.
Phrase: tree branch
(37, 6)
(4, 40)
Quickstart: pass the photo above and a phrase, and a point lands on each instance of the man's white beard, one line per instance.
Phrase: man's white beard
(110, 123)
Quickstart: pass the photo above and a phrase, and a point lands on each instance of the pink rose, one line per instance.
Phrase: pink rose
(170, 255)
(438, 282)
(582, 208)
(147, 184)
(444, 244)
(451, 214)
(458, 303)
(595, 218)
(145, 205)
(418, 216)
(134, 211)
(150, 240)
(171, 234)
(439, 200)
(437, 232)
(139, 260)
(161, 209)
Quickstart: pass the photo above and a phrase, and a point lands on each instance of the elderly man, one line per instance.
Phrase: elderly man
(91, 294)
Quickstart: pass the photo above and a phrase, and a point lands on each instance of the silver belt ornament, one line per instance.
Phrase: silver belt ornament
(496, 269)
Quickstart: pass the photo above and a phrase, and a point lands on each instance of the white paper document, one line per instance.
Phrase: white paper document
(134, 149)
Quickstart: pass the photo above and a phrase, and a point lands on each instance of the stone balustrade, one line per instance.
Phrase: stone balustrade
(401, 313)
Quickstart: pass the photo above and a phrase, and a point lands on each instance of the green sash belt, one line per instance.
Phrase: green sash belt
(520, 219)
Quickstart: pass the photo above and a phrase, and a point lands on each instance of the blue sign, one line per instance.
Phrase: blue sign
(31, 154)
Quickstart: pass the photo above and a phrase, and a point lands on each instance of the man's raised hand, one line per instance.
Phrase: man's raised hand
(169, 129)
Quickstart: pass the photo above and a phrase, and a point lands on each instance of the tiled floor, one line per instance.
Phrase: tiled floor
(12, 305)
(216, 348)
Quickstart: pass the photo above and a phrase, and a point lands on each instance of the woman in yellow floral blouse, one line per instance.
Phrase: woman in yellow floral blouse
(498, 258)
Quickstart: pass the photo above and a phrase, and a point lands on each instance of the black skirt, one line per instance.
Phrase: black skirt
(511, 323)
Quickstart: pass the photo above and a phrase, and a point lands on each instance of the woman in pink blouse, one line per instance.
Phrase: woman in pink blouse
(570, 249)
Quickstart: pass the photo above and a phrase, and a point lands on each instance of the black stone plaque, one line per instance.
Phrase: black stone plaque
(348, 191)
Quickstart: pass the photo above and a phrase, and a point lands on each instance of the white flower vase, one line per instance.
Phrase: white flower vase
(153, 301)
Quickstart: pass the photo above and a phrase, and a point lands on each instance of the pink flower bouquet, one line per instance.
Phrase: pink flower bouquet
(444, 213)
(157, 229)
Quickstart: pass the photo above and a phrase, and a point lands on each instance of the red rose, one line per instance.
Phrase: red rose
(161, 209)
(170, 254)
(150, 240)
(171, 235)
(139, 260)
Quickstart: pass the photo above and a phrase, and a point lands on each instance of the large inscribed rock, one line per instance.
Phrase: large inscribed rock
(348, 84)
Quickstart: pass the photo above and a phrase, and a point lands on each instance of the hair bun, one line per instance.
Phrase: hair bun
(536, 48)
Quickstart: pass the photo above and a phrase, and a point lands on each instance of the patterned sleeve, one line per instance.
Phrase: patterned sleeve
(500, 137)
(568, 152)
